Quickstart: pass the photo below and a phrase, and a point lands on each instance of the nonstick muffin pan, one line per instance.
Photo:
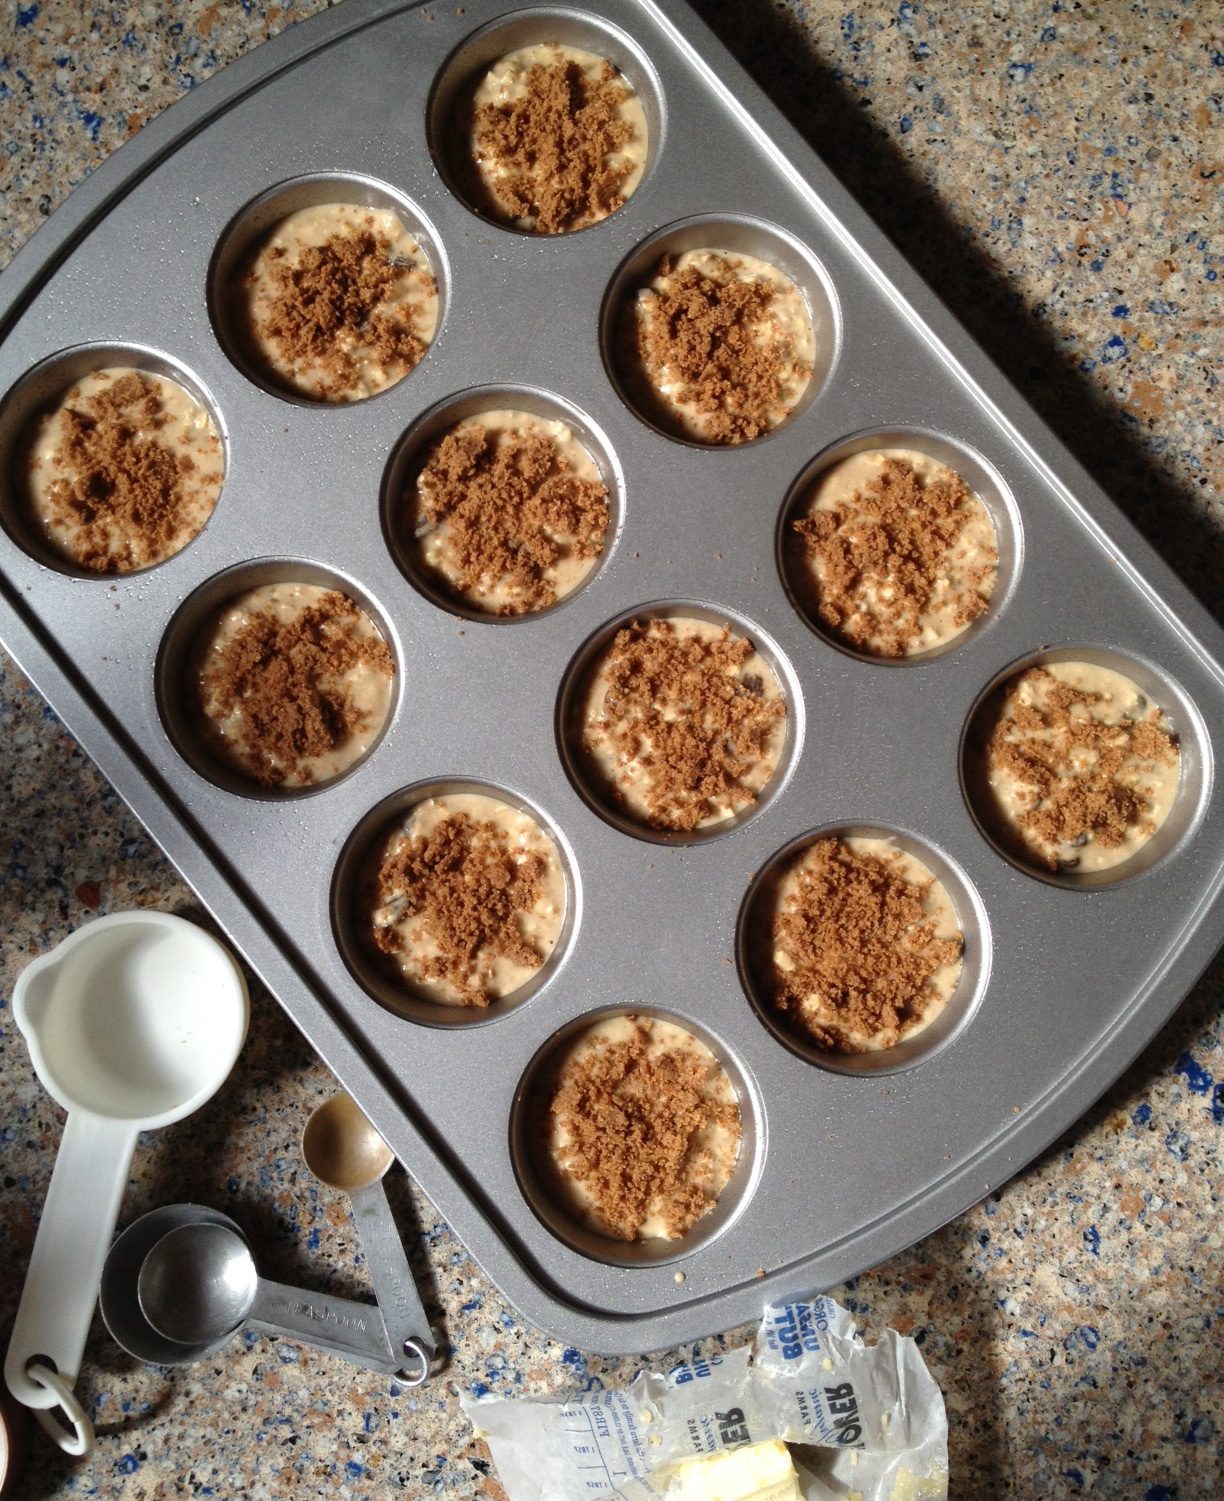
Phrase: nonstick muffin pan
(842, 1163)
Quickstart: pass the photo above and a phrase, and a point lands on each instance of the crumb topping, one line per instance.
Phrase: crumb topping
(466, 887)
(1079, 773)
(554, 147)
(882, 558)
(714, 342)
(284, 680)
(680, 707)
(335, 306)
(637, 1122)
(118, 486)
(513, 508)
(860, 947)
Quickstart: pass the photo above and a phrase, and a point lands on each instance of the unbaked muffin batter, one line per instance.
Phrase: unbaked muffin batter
(558, 138)
(866, 945)
(124, 472)
(509, 512)
(294, 684)
(1081, 767)
(683, 722)
(339, 302)
(720, 346)
(900, 553)
(644, 1128)
(468, 899)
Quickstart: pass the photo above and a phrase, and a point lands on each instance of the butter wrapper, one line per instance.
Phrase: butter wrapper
(871, 1418)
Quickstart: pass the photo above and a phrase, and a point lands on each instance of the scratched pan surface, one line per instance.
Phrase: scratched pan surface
(1063, 986)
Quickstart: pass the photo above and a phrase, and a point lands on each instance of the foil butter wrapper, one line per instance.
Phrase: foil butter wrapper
(870, 1418)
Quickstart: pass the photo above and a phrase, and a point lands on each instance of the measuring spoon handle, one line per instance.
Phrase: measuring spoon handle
(394, 1285)
(61, 1285)
(338, 1325)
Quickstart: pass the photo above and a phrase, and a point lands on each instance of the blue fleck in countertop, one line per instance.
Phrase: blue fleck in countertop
(1055, 170)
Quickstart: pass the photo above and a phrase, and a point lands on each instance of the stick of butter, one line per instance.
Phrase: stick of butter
(756, 1472)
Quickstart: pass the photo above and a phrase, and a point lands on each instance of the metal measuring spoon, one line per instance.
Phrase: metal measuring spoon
(118, 1301)
(199, 1283)
(344, 1151)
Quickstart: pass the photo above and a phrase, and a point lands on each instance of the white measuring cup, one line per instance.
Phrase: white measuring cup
(132, 1023)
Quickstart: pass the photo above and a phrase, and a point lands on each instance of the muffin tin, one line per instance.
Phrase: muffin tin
(1063, 982)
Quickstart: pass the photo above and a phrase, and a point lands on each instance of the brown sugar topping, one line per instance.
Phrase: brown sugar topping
(513, 508)
(285, 679)
(1077, 774)
(637, 1120)
(468, 887)
(861, 942)
(555, 142)
(716, 341)
(120, 491)
(882, 558)
(333, 303)
(677, 706)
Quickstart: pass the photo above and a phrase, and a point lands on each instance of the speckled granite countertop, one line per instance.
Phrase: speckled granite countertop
(1055, 170)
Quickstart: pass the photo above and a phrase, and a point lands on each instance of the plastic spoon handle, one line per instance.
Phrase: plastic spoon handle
(394, 1285)
(352, 1330)
(61, 1286)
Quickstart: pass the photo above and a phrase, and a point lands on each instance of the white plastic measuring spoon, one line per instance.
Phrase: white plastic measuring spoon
(132, 1023)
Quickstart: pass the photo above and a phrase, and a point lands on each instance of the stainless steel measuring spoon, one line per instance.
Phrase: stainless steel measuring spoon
(344, 1151)
(119, 1303)
(199, 1284)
